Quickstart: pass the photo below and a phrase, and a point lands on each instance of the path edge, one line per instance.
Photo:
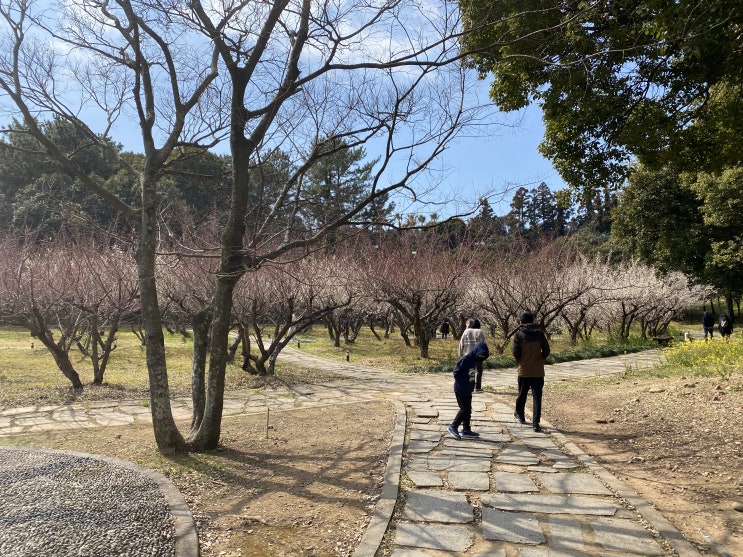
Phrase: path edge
(382, 514)
(663, 526)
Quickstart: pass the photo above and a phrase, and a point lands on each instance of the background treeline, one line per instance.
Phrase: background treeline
(658, 218)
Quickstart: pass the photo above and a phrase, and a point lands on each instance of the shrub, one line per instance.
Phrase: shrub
(711, 358)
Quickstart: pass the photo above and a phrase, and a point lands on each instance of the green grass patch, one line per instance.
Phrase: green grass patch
(29, 375)
(393, 354)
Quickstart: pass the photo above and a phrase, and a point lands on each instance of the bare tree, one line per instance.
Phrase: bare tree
(421, 280)
(583, 277)
(281, 301)
(94, 64)
(68, 294)
(495, 290)
(39, 289)
(109, 296)
(294, 75)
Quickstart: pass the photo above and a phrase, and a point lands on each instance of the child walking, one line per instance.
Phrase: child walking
(465, 373)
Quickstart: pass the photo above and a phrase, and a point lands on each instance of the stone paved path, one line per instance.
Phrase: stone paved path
(510, 493)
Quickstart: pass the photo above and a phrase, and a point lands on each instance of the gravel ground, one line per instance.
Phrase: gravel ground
(64, 504)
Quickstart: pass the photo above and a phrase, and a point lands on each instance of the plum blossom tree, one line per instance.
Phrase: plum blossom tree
(293, 75)
(286, 300)
(421, 280)
(68, 294)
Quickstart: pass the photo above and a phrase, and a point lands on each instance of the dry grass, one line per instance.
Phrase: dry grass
(29, 376)
(306, 488)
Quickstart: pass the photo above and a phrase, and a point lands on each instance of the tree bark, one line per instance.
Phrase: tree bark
(167, 436)
(200, 323)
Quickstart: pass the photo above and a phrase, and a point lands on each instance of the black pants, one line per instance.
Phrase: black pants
(536, 384)
(465, 412)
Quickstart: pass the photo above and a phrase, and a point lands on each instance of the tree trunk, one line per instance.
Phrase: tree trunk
(374, 332)
(108, 347)
(58, 352)
(232, 266)
(421, 334)
(235, 344)
(200, 324)
(62, 359)
(167, 436)
(100, 359)
(334, 329)
(207, 435)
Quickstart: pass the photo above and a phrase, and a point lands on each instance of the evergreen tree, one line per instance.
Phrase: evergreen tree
(339, 181)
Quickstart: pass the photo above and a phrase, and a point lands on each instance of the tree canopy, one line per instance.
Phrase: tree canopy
(616, 81)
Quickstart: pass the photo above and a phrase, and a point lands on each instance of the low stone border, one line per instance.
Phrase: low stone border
(385, 506)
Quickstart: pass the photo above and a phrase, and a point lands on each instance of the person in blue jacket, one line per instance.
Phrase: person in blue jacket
(465, 374)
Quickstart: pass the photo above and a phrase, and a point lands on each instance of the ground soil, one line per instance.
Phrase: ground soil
(306, 485)
(676, 442)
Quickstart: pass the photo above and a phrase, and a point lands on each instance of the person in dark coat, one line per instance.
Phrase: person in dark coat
(708, 324)
(445, 327)
(530, 348)
(464, 384)
(725, 327)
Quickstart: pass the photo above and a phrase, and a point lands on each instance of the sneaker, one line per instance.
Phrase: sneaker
(470, 433)
(519, 419)
(453, 432)
(537, 429)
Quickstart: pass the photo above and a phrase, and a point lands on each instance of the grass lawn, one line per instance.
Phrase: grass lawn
(29, 376)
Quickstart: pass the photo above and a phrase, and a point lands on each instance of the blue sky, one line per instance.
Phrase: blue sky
(500, 160)
(492, 161)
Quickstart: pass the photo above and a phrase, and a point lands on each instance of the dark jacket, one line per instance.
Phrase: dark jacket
(708, 319)
(466, 368)
(726, 325)
(530, 348)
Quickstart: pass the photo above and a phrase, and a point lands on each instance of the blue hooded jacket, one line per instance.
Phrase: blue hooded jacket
(465, 370)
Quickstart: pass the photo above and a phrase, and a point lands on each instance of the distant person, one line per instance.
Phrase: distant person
(530, 348)
(708, 324)
(464, 384)
(725, 327)
(444, 329)
(471, 336)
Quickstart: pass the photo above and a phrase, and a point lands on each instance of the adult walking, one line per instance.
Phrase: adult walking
(708, 324)
(471, 336)
(726, 327)
(530, 348)
(445, 327)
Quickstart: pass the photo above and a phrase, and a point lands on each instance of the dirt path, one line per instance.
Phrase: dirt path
(676, 442)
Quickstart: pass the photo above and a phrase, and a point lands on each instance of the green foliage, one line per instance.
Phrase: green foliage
(688, 222)
(339, 181)
(721, 196)
(658, 220)
(615, 80)
(712, 358)
(39, 195)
